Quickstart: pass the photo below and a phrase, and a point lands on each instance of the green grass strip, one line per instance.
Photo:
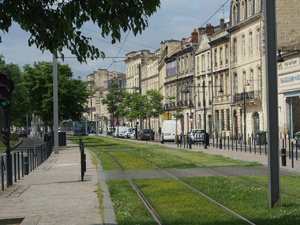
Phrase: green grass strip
(129, 209)
(249, 200)
(170, 158)
(130, 162)
(107, 143)
(174, 202)
(289, 183)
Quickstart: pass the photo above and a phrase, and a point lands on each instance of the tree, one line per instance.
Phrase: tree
(19, 104)
(152, 106)
(112, 101)
(170, 100)
(72, 93)
(56, 25)
(177, 116)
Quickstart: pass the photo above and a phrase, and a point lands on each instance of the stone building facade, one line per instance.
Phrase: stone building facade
(98, 119)
(217, 75)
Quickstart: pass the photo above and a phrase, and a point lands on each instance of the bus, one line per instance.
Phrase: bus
(73, 127)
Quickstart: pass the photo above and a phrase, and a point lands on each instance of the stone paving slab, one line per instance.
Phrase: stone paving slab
(53, 193)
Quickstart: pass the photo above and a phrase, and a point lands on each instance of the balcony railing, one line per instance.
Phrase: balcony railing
(250, 95)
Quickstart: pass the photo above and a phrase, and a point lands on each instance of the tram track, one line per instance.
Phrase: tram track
(151, 208)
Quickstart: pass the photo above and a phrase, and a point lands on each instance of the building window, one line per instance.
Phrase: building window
(258, 4)
(243, 14)
(221, 58)
(251, 43)
(215, 58)
(228, 119)
(222, 120)
(251, 80)
(226, 91)
(258, 40)
(203, 62)
(171, 68)
(235, 50)
(221, 83)
(244, 46)
(244, 80)
(236, 86)
(217, 84)
(250, 8)
(234, 15)
(226, 54)
(200, 122)
(208, 60)
(197, 62)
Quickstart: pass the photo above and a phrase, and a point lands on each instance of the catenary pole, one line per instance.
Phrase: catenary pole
(55, 105)
(272, 102)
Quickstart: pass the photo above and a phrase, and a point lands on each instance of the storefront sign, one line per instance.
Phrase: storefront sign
(290, 79)
(290, 62)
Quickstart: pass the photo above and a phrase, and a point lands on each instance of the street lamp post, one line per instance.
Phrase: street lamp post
(247, 84)
(204, 103)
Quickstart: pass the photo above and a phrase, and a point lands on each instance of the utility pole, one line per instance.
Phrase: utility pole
(55, 105)
(272, 102)
(140, 91)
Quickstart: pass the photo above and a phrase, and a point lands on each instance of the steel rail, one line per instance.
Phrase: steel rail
(199, 192)
(139, 193)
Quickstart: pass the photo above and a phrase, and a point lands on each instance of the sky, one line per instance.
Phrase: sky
(173, 20)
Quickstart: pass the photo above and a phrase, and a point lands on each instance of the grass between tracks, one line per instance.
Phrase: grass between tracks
(176, 204)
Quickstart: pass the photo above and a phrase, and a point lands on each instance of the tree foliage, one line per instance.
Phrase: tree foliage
(72, 93)
(19, 102)
(133, 105)
(56, 24)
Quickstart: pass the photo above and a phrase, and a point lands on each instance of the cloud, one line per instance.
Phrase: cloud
(174, 20)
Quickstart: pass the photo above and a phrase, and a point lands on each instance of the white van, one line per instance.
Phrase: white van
(168, 130)
(121, 131)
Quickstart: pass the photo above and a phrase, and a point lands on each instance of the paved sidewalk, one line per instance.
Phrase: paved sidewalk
(54, 194)
(241, 155)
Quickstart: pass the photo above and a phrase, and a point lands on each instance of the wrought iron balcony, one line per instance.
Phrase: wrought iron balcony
(249, 96)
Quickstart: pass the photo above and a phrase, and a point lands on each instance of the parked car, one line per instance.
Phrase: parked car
(145, 134)
(197, 135)
(132, 135)
(22, 133)
(110, 131)
(129, 132)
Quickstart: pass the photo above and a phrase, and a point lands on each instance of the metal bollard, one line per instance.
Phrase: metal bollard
(26, 165)
(190, 143)
(220, 143)
(283, 157)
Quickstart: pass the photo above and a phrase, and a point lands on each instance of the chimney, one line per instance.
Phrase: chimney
(194, 37)
(209, 29)
(222, 24)
(201, 30)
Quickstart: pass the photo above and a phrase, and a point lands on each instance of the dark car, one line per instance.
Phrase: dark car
(145, 134)
(22, 133)
(197, 135)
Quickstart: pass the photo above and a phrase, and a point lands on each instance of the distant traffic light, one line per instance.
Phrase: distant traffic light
(6, 87)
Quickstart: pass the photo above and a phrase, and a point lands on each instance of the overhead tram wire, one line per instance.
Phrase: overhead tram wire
(119, 50)
(221, 7)
(215, 13)
(136, 43)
